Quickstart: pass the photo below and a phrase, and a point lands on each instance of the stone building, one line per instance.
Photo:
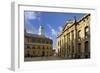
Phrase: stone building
(37, 45)
(74, 40)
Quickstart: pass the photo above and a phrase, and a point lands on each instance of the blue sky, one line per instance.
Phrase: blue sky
(53, 22)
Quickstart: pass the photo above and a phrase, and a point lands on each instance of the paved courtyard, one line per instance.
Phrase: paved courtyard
(43, 58)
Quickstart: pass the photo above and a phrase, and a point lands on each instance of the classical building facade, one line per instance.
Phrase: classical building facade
(36, 45)
(74, 40)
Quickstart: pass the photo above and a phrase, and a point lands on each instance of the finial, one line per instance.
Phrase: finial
(75, 19)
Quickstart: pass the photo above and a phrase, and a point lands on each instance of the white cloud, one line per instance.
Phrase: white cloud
(60, 28)
(28, 25)
(49, 26)
(48, 36)
(29, 28)
(53, 31)
(30, 15)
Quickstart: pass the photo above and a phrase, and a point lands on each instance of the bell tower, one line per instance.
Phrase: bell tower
(41, 30)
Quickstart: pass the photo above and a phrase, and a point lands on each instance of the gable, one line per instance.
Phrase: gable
(67, 25)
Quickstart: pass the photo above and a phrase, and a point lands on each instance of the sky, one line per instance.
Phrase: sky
(53, 22)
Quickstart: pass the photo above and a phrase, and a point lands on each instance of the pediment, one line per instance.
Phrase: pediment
(67, 25)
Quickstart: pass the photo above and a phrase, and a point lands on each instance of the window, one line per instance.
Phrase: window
(43, 47)
(38, 47)
(28, 54)
(72, 41)
(86, 46)
(43, 41)
(33, 47)
(84, 20)
(72, 35)
(28, 40)
(86, 31)
(47, 42)
(50, 42)
(33, 40)
(33, 52)
(62, 41)
(47, 47)
(68, 37)
(28, 47)
(38, 41)
(68, 40)
(58, 43)
(87, 18)
(79, 48)
(79, 34)
(87, 53)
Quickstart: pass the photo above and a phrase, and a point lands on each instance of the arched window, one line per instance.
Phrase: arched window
(79, 34)
(86, 32)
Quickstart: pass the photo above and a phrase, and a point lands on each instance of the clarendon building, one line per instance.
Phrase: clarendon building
(74, 40)
(37, 45)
